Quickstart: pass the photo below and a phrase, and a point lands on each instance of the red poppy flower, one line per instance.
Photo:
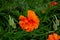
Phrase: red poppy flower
(53, 3)
(30, 22)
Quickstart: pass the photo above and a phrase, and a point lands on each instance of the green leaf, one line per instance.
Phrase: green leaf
(56, 23)
(54, 26)
(11, 22)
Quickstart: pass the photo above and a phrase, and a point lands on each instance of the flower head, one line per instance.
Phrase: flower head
(53, 36)
(30, 22)
(53, 3)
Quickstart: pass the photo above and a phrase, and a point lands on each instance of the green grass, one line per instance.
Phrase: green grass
(15, 8)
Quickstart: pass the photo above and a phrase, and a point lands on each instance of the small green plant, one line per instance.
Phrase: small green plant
(11, 22)
(56, 23)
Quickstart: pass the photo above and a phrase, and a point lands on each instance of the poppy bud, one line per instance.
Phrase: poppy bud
(53, 3)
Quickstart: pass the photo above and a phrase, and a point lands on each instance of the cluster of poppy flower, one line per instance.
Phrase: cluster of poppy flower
(53, 36)
(31, 22)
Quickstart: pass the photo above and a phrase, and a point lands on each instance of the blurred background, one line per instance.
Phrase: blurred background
(10, 10)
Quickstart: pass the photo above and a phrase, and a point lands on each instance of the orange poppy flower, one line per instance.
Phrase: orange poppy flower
(30, 22)
(53, 36)
(53, 3)
(59, 37)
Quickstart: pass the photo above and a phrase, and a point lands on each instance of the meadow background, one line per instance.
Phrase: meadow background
(10, 10)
